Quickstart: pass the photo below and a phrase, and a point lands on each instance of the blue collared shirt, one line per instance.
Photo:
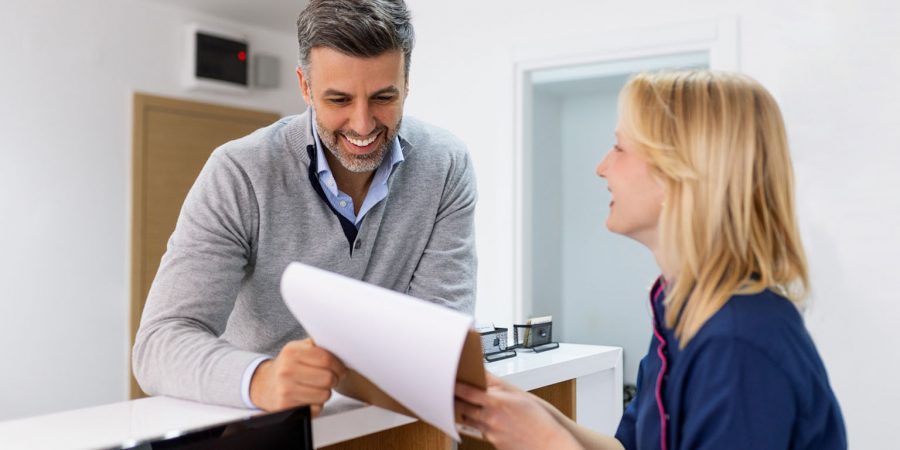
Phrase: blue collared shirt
(341, 202)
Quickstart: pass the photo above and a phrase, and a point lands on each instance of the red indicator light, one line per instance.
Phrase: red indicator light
(242, 55)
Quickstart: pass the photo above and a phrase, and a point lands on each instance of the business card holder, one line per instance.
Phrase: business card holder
(495, 345)
(537, 337)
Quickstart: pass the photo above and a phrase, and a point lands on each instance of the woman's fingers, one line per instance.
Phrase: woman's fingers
(493, 380)
(470, 393)
(469, 414)
(497, 383)
(509, 417)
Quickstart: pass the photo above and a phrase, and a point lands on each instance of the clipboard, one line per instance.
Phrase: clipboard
(469, 370)
(420, 375)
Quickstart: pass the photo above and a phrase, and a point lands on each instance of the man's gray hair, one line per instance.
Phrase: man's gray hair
(361, 28)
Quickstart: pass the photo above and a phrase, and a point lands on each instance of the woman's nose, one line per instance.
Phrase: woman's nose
(602, 166)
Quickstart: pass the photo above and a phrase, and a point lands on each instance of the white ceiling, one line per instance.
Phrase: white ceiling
(276, 15)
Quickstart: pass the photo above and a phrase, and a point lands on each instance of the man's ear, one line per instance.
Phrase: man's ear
(303, 80)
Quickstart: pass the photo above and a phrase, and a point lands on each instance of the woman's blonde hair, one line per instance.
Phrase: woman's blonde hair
(717, 142)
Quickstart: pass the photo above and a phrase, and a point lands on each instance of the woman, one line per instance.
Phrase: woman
(701, 175)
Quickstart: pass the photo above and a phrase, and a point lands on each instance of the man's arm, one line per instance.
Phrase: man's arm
(446, 271)
(177, 349)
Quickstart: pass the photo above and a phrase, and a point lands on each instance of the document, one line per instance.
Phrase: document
(403, 353)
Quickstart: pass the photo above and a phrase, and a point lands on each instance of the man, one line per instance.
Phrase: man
(344, 187)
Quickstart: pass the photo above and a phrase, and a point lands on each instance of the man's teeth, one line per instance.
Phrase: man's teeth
(361, 143)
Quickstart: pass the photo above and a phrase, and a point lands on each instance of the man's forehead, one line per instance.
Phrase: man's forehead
(330, 69)
(326, 55)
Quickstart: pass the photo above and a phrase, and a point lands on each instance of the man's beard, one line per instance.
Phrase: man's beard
(356, 163)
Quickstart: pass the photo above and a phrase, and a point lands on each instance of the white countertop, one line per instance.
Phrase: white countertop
(127, 423)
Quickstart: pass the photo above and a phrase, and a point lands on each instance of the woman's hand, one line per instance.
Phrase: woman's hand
(510, 418)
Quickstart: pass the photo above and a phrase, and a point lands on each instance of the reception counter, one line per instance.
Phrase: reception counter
(584, 381)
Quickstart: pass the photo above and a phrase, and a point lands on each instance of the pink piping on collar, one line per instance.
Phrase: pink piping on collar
(663, 417)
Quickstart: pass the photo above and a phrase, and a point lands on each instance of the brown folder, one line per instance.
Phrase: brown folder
(470, 370)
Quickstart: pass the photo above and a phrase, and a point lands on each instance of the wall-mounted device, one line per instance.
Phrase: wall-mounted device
(217, 60)
(266, 70)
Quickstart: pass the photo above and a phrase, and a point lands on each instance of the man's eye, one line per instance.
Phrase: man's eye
(384, 98)
(338, 100)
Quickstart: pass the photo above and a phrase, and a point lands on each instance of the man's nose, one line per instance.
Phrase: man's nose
(362, 122)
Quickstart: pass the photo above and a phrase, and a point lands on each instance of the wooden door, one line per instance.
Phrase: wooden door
(172, 140)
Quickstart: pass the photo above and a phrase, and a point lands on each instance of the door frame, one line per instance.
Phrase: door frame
(717, 37)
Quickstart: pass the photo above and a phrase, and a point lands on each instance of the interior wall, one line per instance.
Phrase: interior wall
(593, 282)
(68, 74)
(547, 213)
(605, 276)
(831, 64)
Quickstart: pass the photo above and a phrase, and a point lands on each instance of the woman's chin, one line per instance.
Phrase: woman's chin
(611, 226)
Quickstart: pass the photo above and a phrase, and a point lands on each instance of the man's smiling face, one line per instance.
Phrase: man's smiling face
(358, 104)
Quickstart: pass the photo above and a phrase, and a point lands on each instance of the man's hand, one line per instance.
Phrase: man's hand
(301, 374)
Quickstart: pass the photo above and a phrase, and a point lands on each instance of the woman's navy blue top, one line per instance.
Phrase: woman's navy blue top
(751, 378)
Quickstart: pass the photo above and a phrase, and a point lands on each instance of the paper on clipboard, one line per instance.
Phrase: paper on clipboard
(403, 353)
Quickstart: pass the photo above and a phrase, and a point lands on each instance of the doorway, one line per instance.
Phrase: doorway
(594, 283)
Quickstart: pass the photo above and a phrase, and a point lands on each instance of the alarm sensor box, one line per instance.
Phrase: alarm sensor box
(217, 60)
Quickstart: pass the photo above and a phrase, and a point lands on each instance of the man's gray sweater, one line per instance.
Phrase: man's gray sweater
(215, 305)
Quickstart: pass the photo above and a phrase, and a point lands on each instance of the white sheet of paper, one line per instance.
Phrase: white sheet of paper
(408, 347)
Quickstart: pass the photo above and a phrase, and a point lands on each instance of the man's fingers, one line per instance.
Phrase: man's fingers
(304, 395)
(314, 377)
(305, 352)
(337, 366)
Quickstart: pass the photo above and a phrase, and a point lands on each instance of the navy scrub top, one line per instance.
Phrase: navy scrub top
(750, 378)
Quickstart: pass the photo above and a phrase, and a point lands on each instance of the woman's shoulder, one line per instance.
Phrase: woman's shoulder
(756, 352)
(766, 327)
(761, 319)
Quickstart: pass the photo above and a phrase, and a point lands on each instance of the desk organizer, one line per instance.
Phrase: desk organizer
(494, 345)
(537, 337)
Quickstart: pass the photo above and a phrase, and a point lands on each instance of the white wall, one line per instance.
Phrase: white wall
(547, 212)
(606, 276)
(67, 75)
(833, 67)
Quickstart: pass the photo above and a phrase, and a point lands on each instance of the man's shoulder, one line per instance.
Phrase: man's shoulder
(263, 146)
(418, 134)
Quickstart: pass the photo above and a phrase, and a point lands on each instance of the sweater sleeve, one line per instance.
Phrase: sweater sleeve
(178, 350)
(445, 273)
(735, 397)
